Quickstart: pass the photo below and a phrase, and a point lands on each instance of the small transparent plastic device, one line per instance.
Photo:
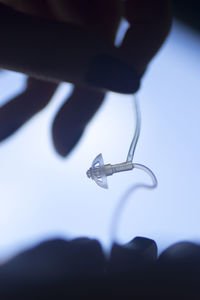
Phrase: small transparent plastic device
(99, 172)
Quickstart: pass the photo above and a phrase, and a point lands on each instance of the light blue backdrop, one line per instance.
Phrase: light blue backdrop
(44, 196)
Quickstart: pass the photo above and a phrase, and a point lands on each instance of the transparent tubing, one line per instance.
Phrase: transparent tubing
(137, 131)
(149, 172)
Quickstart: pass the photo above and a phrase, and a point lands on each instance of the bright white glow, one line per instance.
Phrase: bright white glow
(39, 194)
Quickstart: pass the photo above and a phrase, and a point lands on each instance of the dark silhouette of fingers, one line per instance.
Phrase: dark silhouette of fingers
(19, 110)
(56, 265)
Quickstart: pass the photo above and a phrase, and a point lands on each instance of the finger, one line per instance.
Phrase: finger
(56, 264)
(179, 266)
(182, 255)
(56, 51)
(72, 118)
(23, 107)
(150, 23)
(138, 254)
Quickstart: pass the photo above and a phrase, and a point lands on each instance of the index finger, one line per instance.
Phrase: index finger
(150, 22)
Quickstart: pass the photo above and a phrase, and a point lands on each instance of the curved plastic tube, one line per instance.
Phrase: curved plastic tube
(137, 132)
(149, 172)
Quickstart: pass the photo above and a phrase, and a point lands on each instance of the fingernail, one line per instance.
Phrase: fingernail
(145, 247)
(113, 74)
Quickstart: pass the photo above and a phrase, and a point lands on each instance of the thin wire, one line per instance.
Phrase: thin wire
(137, 131)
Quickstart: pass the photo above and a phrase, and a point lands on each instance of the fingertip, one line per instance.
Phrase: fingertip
(72, 118)
(145, 246)
(139, 253)
(64, 140)
(66, 131)
(113, 74)
(180, 252)
(179, 265)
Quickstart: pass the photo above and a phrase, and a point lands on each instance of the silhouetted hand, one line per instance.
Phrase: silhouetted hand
(78, 269)
(73, 41)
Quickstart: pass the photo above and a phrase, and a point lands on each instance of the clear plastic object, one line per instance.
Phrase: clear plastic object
(99, 172)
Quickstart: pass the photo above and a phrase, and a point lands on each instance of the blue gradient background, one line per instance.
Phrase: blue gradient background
(43, 196)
